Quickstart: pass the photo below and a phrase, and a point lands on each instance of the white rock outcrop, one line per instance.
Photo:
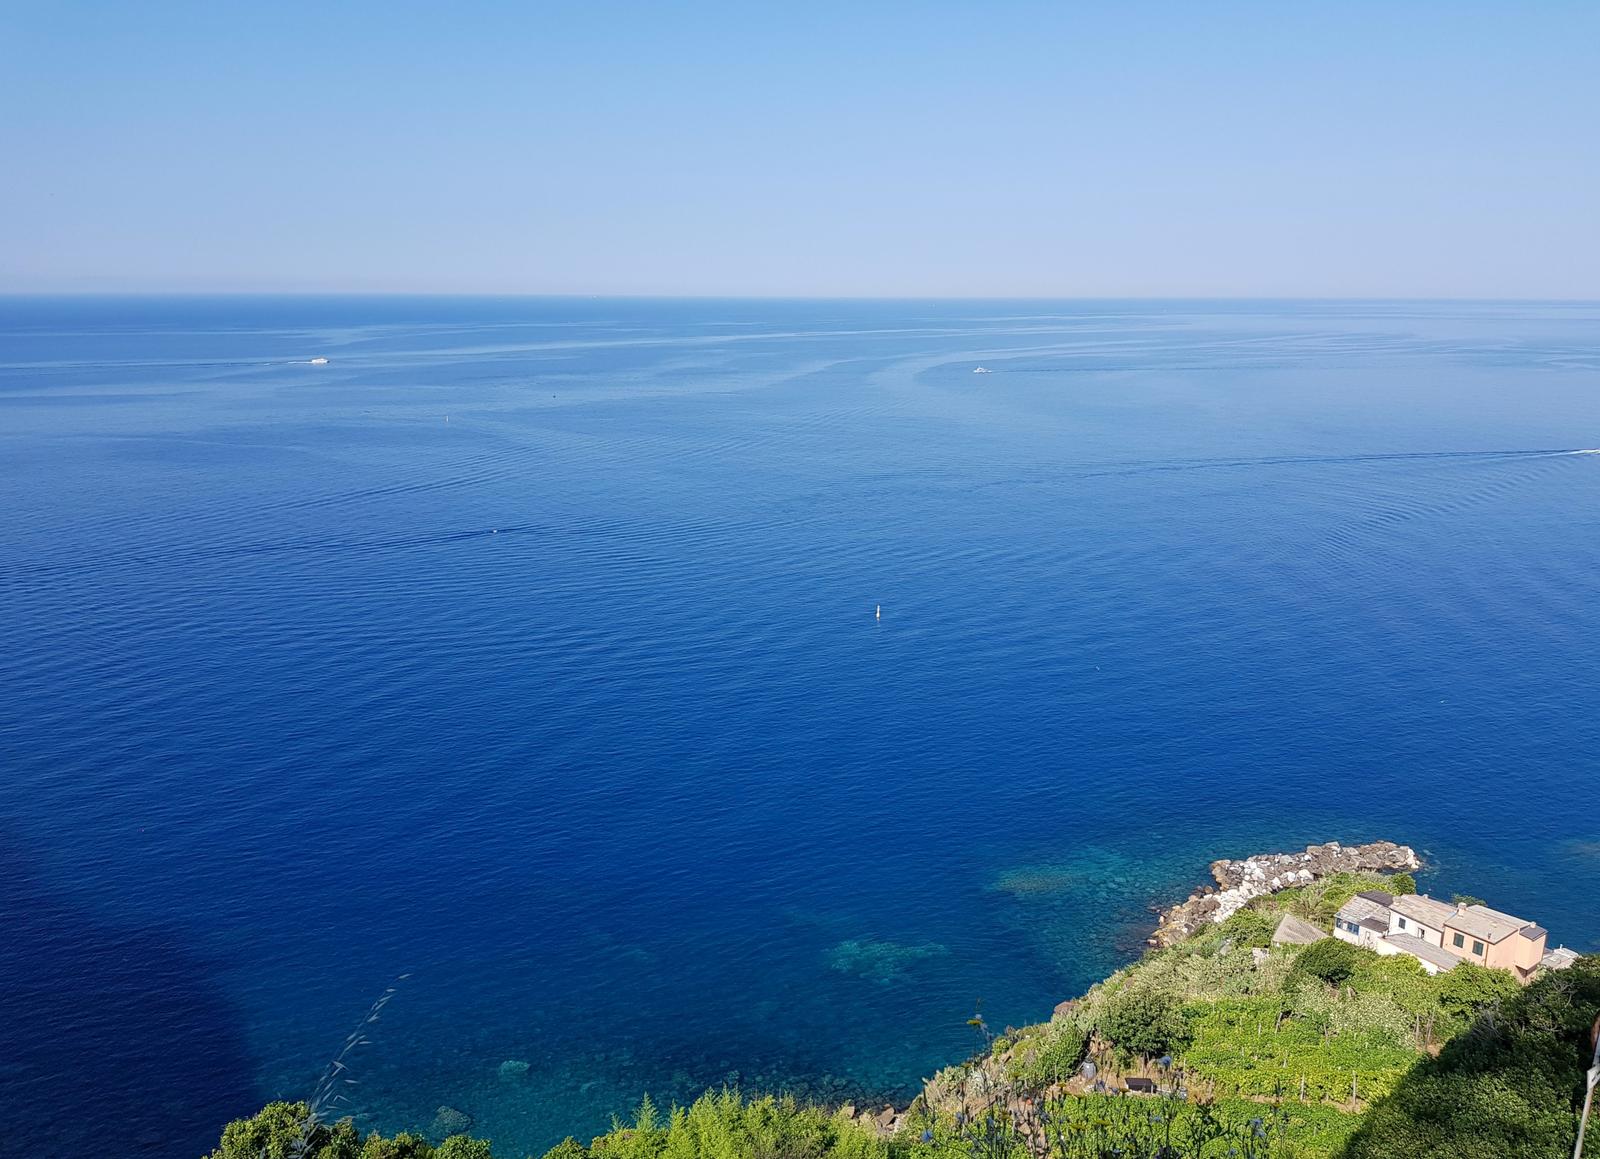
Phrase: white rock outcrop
(1238, 881)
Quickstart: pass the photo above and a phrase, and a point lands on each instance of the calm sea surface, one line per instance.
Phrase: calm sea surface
(528, 648)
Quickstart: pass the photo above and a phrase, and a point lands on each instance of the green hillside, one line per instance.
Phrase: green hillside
(1249, 1050)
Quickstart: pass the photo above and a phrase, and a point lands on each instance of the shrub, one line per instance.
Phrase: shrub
(724, 1125)
(1508, 1086)
(1320, 900)
(1049, 1057)
(718, 1125)
(1400, 978)
(1469, 988)
(285, 1131)
(1401, 884)
(1332, 893)
(463, 1147)
(1330, 960)
(402, 1146)
(1250, 928)
(1141, 1020)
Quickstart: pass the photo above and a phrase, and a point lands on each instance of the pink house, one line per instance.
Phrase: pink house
(1494, 939)
(1441, 935)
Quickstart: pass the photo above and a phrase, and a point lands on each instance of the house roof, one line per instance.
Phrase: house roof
(1420, 907)
(1426, 951)
(1295, 931)
(1558, 959)
(1363, 908)
(1378, 896)
(1533, 933)
(1489, 925)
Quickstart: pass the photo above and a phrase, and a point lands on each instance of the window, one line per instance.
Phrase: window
(1477, 947)
(1458, 940)
(1402, 923)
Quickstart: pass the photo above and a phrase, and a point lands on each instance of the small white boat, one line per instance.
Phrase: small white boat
(983, 370)
(319, 362)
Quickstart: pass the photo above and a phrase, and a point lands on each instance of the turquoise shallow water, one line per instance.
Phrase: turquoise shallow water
(528, 648)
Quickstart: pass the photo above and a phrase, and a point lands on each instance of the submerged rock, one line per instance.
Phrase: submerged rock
(513, 1070)
(880, 961)
(450, 1121)
(1035, 881)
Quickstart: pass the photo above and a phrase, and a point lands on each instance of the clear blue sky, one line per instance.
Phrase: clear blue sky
(1392, 148)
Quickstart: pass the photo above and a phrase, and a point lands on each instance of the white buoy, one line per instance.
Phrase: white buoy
(878, 615)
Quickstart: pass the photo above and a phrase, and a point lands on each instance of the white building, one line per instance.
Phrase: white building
(1442, 936)
(1364, 919)
(1419, 916)
(1433, 959)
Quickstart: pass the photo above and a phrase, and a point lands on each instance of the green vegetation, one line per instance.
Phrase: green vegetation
(1107, 1126)
(1326, 1051)
(289, 1131)
(1329, 961)
(1507, 1086)
(1143, 1020)
(1312, 1038)
(1319, 901)
(722, 1125)
(719, 1125)
(1042, 1055)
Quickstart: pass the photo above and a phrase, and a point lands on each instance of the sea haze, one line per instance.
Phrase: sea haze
(528, 648)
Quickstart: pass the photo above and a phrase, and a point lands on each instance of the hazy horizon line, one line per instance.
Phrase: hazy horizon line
(649, 297)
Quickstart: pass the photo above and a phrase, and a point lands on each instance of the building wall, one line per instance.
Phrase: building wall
(1360, 936)
(1416, 929)
(1523, 954)
(1515, 953)
(1390, 950)
(1471, 948)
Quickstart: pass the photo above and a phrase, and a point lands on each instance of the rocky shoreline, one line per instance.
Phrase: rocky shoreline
(982, 1080)
(1240, 880)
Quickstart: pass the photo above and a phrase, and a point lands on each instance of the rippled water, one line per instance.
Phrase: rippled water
(528, 648)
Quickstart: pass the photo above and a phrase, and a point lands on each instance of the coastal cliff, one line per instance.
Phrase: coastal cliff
(1011, 1071)
(1235, 1044)
(1223, 1042)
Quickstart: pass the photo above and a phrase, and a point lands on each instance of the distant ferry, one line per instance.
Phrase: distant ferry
(319, 362)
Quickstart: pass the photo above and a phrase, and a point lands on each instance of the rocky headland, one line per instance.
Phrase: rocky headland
(1238, 881)
(990, 1079)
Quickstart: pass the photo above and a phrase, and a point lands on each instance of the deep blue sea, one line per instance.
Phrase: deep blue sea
(529, 648)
